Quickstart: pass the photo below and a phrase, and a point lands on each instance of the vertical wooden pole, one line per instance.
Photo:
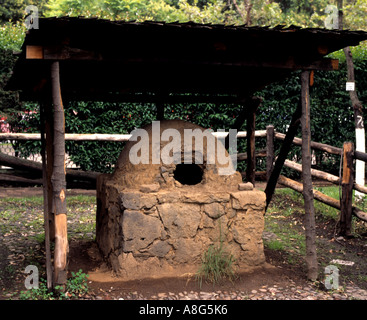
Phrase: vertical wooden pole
(251, 158)
(284, 150)
(45, 199)
(347, 190)
(49, 163)
(58, 180)
(310, 225)
(269, 151)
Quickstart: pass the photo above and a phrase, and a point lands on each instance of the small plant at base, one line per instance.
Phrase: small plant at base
(217, 264)
(76, 286)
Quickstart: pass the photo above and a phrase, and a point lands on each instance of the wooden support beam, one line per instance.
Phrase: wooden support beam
(64, 52)
(269, 151)
(310, 224)
(251, 157)
(284, 150)
(46, 207)
(347, 190)
(49, 134)
(58, 181)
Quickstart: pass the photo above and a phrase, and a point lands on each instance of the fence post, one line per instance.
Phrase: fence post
(269, 150)
(251, 158)
(347, 190)
(309, 222)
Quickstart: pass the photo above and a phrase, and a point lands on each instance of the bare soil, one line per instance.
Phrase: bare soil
(85, 256)
(283, 266)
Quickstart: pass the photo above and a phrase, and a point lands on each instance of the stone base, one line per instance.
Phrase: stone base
(159, 233)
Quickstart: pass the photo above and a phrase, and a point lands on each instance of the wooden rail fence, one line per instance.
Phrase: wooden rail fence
(346, 182)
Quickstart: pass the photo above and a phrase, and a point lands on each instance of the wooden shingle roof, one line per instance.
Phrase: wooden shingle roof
(148, 61)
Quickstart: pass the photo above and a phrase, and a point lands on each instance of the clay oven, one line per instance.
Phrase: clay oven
(156, 219)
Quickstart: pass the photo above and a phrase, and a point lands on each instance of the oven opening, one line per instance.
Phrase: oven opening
(188, 174)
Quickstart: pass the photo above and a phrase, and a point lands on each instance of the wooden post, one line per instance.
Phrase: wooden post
(45, 199)
(284, 150)
(347, 190)
(49, 164)
(310, 225)
(269, 151)
(58, 180)
(251, 158)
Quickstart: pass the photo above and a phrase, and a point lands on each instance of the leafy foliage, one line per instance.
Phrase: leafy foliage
(14, 10)
(76, 286)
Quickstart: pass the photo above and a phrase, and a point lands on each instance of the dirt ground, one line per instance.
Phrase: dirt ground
(278, 270)
(85, 256)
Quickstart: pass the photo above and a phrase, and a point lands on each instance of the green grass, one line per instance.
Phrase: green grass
(327, 211)
(24, 216)
(274, 245)
(217, 264)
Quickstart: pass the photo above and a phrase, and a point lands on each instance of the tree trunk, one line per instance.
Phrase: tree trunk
(269, 151)
(310, 225)
(357, 108)
(58, 181)
(359, 122)
(45, 199)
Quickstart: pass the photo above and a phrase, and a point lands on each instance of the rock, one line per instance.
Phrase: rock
(214, 210)
(187, 250)
(147, 188)
(179, 219)
(255, 199)
(178, 184)
(159, 248)
(206, 197)
(245, 186)
(137, 200)
(168, 197)
(139, 230)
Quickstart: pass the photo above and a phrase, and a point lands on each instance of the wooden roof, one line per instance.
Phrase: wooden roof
(156, 61)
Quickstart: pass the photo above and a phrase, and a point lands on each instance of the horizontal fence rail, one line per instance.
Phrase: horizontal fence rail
(106, 137)
(269, 134)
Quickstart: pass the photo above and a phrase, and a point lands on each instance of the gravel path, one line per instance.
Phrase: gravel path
(291, 292)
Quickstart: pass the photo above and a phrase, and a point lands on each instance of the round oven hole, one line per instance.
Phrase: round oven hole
(189, 174)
